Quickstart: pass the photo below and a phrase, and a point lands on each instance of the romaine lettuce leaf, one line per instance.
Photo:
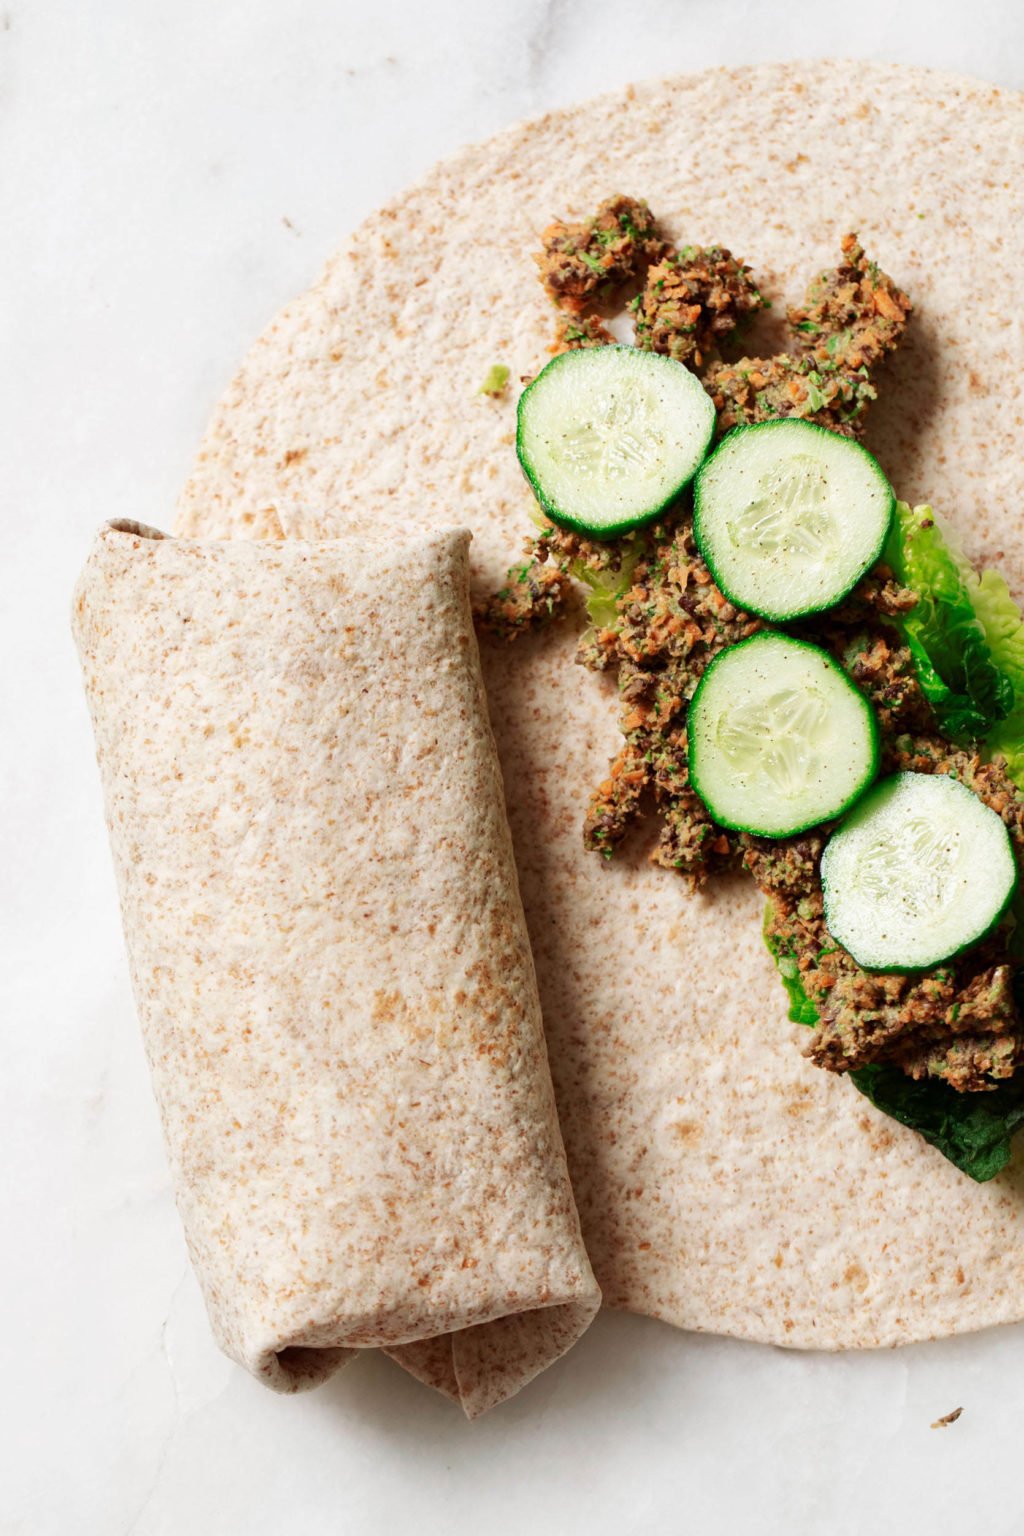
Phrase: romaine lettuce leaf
(966, 635)
(1003, 624)
(926, 554)
(968, 689)
(973, 1130)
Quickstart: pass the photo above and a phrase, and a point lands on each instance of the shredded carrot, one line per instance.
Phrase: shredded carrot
(885, 305)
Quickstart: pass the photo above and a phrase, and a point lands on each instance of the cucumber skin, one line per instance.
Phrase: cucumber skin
(792, 615)
(875, 737)
(607, 531)
(930, 965)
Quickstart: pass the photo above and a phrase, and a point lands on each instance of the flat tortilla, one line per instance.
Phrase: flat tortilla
(329, 955)
(723, 1182)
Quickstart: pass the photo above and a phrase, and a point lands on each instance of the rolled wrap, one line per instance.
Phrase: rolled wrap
(329, 955)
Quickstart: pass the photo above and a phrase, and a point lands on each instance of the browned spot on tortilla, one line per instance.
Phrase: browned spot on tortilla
(294, 456)
(263, 523)
(689, 1130)
(856, 1277)
(386, 1006)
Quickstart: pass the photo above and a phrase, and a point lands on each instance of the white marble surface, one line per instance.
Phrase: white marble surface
(170, 173)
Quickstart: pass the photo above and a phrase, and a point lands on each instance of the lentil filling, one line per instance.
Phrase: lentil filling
(658, 619)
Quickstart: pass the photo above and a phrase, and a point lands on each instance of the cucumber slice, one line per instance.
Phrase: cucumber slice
(608, 437)
(918, 872)
(789, 516)
(779, 737)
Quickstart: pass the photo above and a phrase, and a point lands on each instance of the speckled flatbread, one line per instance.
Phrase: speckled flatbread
(723, 1182)
(329, 955)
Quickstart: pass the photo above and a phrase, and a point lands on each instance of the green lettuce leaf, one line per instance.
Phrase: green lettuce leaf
(606, 587)
(973, 1130)
(923, 549)
(1003, 624)
(801, 1009)
(968, 689)
(966, 635)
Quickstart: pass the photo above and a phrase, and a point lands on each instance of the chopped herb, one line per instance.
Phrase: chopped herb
(495, 381)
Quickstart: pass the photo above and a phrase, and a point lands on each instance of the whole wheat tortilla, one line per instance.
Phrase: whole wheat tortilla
(329, 955)
(723, 1182)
